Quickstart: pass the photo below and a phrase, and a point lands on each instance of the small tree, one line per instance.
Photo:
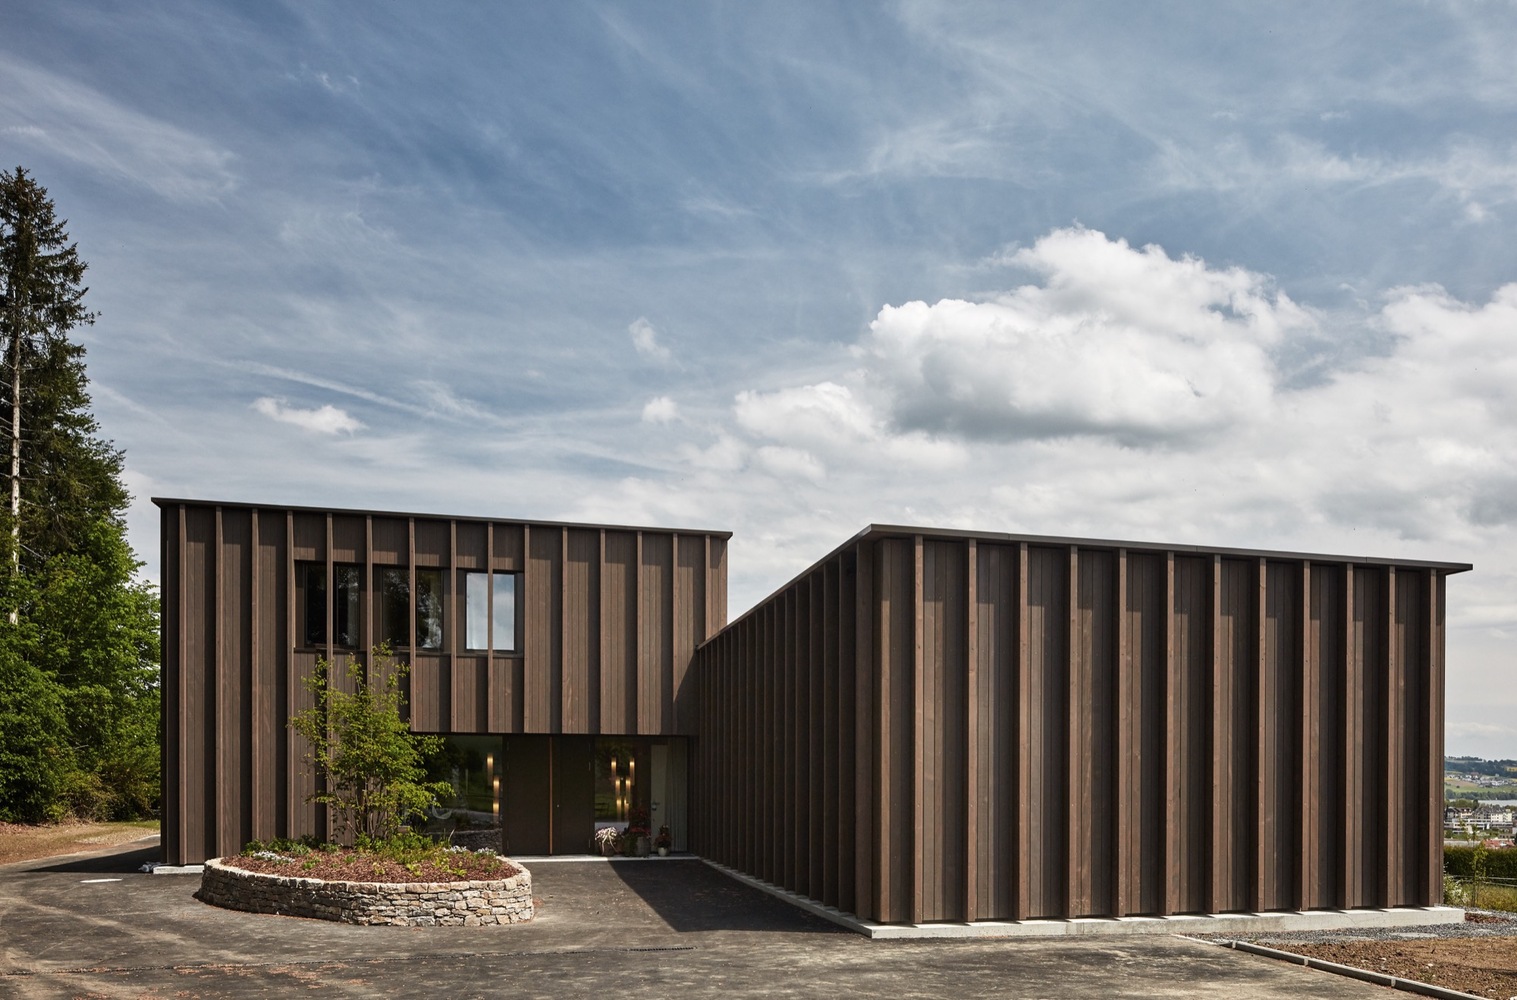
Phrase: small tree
(369, 759)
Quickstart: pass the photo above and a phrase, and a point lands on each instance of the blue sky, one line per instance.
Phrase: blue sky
(1232, 274)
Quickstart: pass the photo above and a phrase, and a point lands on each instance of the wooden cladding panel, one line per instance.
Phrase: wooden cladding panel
(432, 540)
(471, 545)
(895, 646)
(1092, 726)
(655, 646)
(1408, 745)
(944, 751)
(349, 538)
(994, 752)
(1366, 766)
(1053, 731)
(618, 611)
(542, 637)
(1235, 746)
(232, 674)
(271, 637)
(391, 541)
(1142, 682)
(1322, 790)
(581, 632)
(690, 612)
(508, 545)
(1046, 739)
(310, 543)
(1280, 717)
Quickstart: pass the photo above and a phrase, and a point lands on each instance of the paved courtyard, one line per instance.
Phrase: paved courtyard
(675, 928)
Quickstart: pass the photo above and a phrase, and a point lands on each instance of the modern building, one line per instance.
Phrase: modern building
(924, 726)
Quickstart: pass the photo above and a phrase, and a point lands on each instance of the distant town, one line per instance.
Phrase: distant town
(1480, 800)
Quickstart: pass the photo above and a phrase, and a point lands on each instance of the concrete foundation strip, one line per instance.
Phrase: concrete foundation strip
(1364, 975)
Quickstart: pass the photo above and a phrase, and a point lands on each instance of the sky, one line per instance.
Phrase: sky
(1231, 274)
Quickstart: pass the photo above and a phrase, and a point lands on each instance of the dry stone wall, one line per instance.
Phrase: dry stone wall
(422, 904)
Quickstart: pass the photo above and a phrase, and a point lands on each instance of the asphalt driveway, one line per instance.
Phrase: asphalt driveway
(676, 928)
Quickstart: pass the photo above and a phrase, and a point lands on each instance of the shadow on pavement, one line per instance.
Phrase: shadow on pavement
(689, 895)
(119, 863)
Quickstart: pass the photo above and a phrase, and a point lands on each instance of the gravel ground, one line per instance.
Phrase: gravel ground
(1477, 924)
(1478, 957)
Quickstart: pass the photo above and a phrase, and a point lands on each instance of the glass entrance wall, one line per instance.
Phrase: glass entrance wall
(617, 787)
(642, 779)
(471, 816)
(542, 795)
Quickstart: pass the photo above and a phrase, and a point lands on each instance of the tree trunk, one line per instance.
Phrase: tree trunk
(15, 459)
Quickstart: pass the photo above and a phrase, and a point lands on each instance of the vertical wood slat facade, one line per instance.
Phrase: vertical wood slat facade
(607, 620)
(1059, 728)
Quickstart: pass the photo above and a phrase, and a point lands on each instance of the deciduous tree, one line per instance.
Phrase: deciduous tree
(366, 755)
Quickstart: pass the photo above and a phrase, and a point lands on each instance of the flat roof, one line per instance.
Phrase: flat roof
(873, 532)
(899, 530)
(358, 512)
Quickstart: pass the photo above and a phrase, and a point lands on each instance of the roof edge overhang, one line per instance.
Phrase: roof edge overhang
(167, 502)
(874, 532)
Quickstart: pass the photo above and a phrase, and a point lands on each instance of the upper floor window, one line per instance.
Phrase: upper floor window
(490, 605)
(311, 579)
(392, 599)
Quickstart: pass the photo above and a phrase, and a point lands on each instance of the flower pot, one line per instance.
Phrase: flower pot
(643, 847)
(663, 852)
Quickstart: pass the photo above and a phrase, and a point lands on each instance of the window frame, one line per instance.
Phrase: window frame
(315, 634)
(492, 623)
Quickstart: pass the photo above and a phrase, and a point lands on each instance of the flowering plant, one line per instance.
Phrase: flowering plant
(663, 839)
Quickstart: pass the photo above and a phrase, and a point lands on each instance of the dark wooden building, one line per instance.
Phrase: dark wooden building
(559, 637)
(950, 726)
(924, 726)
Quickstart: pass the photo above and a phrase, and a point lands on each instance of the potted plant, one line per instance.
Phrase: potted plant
(607, 840)
(635, 837)
(663, 842)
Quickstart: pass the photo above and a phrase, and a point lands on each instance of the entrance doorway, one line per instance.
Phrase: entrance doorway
(556, 790)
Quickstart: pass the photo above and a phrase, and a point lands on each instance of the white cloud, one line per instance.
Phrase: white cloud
(645, 339)
(725, 454)
(326, 419)
(1128, 393)
(789, 463)
(1118, 342)
(826, 412)
(660, 410)
(832, 420)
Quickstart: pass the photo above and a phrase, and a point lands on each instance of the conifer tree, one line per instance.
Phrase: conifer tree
(78, 649)
(61, 478)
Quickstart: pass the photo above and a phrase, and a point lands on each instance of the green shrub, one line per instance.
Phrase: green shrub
(1466, 862)
(35, 760)
(365, 754)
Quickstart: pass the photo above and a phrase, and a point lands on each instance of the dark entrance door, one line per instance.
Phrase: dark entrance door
(525, 799)
(548, 802)
(573, 794)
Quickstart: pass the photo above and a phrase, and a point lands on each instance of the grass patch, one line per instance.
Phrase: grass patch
(1494, 897)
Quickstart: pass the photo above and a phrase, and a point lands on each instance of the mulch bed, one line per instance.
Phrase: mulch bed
(1485, 966)
(1479, 957)
(351, 866)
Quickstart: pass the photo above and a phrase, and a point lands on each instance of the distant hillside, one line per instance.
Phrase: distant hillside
(1477, 778)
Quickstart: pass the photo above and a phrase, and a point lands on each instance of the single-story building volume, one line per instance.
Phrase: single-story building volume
(926, 725)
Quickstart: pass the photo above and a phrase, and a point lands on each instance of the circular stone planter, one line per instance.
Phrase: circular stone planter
(419, 904)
